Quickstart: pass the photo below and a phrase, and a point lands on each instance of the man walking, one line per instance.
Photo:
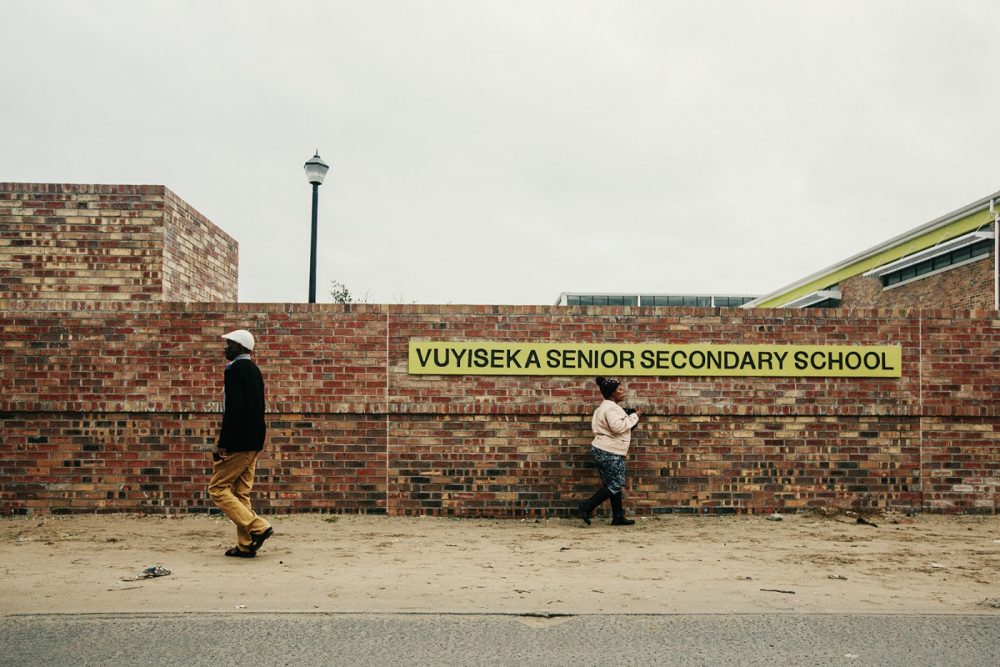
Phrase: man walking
(241, 439)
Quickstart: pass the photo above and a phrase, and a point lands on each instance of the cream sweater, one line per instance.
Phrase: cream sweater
(612, 428)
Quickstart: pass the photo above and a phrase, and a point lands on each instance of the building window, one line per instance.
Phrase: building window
(938, 263)
(828, 297)
(703, 301)
(601, 300)
(732, 301)
(690, 300)
(825, 303)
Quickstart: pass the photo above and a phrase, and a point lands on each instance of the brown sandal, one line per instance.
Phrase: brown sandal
(236, 552)
(259, 538)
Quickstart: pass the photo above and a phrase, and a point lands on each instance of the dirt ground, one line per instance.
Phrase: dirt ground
(817, 562)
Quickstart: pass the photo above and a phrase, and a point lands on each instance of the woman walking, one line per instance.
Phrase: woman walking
(612, 433)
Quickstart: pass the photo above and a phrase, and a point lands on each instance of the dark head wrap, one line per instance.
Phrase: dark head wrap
(607, 386)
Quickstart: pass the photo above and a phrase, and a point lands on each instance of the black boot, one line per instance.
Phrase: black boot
(617, 513)
(586, 508)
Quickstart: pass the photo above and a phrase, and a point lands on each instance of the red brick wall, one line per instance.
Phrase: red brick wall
(113, 406)
(110, 242)
(200, 262)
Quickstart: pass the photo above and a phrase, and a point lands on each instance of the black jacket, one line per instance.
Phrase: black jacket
(243, 427)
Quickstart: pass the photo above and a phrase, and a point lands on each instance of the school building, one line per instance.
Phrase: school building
(949, 262)
(113, 298)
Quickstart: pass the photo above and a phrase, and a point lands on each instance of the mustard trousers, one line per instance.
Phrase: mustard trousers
(232, 480)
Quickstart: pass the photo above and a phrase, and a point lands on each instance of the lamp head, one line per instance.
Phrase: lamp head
(316, 169)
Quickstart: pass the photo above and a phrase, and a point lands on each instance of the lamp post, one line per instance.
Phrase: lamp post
(315, 173)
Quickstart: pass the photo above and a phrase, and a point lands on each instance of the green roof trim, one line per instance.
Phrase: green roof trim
(961, 226)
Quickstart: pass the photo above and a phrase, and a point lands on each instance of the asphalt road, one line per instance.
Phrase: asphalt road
(492, 639)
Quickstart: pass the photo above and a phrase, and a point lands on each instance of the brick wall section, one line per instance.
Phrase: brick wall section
(110, 243)
(960, 461)
(200, 261)
(157, 462)
(664, 395)
(968, 287)
(80, 242)
(96, 417)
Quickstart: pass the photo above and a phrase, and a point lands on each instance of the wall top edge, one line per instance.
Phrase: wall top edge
(13, 306)
(83, 188)
(733, 314)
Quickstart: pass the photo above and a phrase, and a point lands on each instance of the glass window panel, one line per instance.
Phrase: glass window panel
(826, 303)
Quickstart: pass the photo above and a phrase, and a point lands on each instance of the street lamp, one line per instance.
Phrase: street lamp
(315, 173)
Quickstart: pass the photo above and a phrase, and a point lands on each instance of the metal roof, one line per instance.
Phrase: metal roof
(915, 233)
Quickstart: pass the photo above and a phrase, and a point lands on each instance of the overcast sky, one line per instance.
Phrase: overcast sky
(503, 152)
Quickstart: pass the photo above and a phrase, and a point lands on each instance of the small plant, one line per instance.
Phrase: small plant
(339, 292)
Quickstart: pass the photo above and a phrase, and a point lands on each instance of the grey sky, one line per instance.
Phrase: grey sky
(502, 152)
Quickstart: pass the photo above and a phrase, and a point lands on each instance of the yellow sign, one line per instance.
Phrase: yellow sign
(497, 358)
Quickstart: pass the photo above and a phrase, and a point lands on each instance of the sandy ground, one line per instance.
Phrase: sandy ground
(817, 562)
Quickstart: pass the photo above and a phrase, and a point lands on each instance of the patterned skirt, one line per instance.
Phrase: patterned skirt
(611, 467)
